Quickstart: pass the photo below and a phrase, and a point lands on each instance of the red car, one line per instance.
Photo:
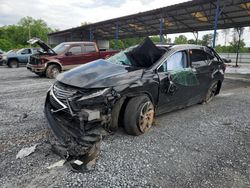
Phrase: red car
(64, 56)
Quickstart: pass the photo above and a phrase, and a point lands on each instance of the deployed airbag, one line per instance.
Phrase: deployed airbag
(145, 55)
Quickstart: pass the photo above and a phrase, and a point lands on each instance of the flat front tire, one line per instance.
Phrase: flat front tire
(52, 71)
(139, 115)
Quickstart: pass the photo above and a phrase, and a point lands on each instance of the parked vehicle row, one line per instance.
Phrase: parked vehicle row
(65, 56)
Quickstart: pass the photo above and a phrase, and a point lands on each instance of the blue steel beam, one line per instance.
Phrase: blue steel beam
(217, 13)
(90, 35)
(116, 36)
(161, 28)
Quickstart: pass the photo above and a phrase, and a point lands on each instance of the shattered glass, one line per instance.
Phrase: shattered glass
(184, 77)
(121, 58)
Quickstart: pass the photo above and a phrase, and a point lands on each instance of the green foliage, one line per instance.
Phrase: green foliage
(16, 36)
(232, 48)
(125, 43)
(5, 45)
(181, 39)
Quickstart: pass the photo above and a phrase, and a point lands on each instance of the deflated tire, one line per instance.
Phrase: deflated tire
(139, 115)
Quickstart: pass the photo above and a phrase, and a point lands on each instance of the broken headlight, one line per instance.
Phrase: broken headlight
(99, 93)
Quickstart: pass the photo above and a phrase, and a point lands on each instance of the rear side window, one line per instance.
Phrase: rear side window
(199, 58)
(75, 50)
(89, 48)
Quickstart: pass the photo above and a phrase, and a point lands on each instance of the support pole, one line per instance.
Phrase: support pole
(90, 35)
(196, 36)
(116, 36)
(216, 22)
(161, 29)
(239, 31)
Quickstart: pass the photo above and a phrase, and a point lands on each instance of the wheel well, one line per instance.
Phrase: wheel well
(219, 83)
(11, 60)
(54, 63)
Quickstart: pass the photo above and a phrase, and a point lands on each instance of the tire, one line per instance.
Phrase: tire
(13, 63)
(211, 92)
(52, 71)
(138, 116)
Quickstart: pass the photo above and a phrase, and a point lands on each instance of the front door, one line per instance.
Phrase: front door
(24, 55)
(72, 57)
(175, 86)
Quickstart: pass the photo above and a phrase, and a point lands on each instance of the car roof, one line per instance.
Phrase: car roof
(78, 42)
(187, 46)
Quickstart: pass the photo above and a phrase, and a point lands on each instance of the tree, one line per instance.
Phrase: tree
(207, 40)
(16, 36)
(191, 41)
(181, 39)
(237, 32)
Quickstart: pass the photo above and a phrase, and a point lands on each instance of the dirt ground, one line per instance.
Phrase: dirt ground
(200, 146)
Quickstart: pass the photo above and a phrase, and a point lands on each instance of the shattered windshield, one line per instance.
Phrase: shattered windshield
(121, 57)
(60, 48)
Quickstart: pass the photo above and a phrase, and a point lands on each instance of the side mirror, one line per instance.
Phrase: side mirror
(226, 60)
(68, 53)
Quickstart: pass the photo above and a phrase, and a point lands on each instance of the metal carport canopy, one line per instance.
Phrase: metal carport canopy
(190, 16)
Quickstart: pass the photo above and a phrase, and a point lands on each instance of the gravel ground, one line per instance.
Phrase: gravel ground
(200, 146)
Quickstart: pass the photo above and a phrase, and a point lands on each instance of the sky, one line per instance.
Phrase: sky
(65, 14)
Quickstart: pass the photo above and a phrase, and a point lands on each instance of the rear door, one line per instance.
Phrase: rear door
(201, 66)
(172, 94)
(91, 53)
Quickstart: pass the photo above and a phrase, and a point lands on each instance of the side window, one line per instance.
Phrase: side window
(198, 58)
(176, 61)
(89, 48)
(75, 50)
(26, 51)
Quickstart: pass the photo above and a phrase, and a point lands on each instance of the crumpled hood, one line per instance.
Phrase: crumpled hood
(99, 74)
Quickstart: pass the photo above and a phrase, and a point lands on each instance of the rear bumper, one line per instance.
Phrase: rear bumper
(36, 68)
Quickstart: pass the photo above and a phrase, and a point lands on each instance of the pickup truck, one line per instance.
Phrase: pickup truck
(63, 57)
(13, 59)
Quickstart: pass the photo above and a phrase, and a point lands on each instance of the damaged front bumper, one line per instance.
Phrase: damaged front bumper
(72, 113)
(78, 120)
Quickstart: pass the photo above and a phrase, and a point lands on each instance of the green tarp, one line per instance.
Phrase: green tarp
(184, 77)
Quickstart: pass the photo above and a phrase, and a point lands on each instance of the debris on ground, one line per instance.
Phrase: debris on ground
(24, 152)
(24, 116)
(80, 157)
(57, 164)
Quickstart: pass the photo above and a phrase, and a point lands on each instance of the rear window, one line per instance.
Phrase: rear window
(90, 48)
(75, 50)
